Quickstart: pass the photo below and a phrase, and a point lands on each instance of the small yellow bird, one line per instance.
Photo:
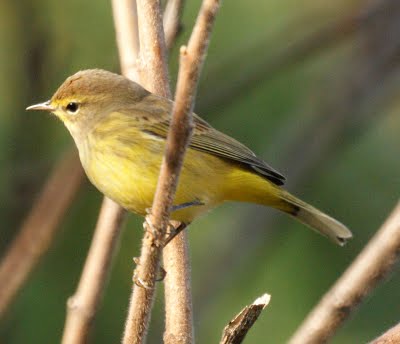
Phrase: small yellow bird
(120, 130)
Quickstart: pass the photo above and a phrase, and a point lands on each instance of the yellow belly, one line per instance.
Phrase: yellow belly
(128, 173)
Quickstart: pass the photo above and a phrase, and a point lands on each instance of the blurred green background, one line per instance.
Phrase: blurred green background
(311, 86)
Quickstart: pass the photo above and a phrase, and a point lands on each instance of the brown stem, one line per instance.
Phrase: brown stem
(152, 71)
(152, 52)
(152, 62)
(236, 330)
(39, 227)
(178, 293)
(172, 21)
(392, 336)
(83, 304)
(127, 36)
(179, 313)
(369, 268)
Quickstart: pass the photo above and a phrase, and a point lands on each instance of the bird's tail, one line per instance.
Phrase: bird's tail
(314, 218)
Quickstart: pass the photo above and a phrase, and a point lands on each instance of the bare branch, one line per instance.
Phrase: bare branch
(178, 293)
(152, 62)
(179, 328)
(127, 36)
(172, 21)
(83, 305)
(391, 336)
(236, 330)
(369, 268)
(152, 68)
(37, 231)
(152, 52)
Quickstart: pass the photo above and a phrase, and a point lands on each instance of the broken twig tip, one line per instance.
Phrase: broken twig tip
(263, 300)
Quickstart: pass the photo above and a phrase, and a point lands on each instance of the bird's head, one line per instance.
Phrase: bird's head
(89, 95)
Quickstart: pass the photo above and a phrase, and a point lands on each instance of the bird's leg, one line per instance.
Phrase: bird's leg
(174, 230)
(181, 206)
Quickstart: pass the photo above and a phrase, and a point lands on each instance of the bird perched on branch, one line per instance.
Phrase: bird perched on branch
(120, 130)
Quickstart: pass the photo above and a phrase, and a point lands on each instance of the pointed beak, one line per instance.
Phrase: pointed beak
(46, 106)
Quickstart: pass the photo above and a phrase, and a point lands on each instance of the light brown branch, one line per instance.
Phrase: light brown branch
(369, 268)
(152, 68)
(392, 336)
(178, 137)
(179, 314)
(83, 305)
(39, 227)
(127, 36)
(152, 62)
(239, 326)
(172, 21)
(178, 293)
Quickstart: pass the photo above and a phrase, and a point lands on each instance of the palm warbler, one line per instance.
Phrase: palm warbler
(120, 130)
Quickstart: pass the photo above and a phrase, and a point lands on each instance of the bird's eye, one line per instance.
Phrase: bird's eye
(72, 107)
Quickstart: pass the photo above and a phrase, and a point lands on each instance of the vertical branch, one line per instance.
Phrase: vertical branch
(179, 328)
(127, 36)
(152, 62)
(367, 270)
(152, 71)
(39, 228)
(172, 21)
(152, 53)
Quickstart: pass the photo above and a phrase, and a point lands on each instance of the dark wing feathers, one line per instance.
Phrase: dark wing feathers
(219, 144)
(207, 139)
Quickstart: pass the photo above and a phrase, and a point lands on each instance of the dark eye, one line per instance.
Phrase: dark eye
(72, 107)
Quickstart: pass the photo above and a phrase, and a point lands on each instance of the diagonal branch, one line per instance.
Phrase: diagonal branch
(363, 275)
(178, 302)
(82, 306)
(391, 336)
(37, 231)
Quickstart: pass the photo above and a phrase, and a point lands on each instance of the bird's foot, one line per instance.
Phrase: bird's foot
(173, 230)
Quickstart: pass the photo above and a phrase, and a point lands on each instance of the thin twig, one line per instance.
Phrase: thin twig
(172, 21)
(392, 336)
(83, 305)
(239, 326)
(38, 230)
(369, 268)
(179, 323)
